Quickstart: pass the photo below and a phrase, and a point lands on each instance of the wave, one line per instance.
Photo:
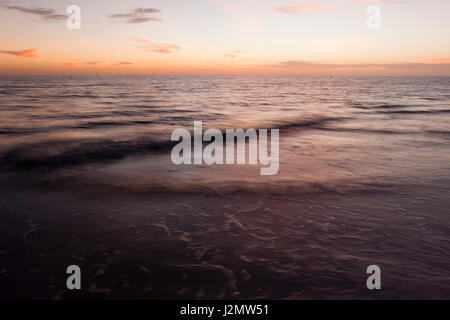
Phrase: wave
(387, 106)
(94, 124)
(59, 154)
(51, 154)
(415, 111)
(84, 125)
(12, 131)
(314, 123)
(73, 95)
(16, 107)
(384, 131)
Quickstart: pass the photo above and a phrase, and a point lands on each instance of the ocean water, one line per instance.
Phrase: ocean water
(87, 179)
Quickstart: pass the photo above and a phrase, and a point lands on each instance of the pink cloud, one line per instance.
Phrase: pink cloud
(139, 40)
(159, 48)
(29, 53)
(302, 7)
(138, 15)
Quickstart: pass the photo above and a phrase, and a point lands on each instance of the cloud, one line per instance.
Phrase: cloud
(139, 40)
(48, 15)
(398, 67)
(159, 48)
(28, 53)
(232, 54)
(138, 15)
(296, 63)
(123, 63)
(302, 7)
(302, 63)
(71, 64)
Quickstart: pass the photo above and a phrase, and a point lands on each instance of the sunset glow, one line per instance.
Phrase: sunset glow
(226, 37)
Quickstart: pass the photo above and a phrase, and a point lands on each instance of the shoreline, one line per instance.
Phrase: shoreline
(204, 246)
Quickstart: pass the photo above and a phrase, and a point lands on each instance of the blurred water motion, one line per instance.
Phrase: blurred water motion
(87, 179)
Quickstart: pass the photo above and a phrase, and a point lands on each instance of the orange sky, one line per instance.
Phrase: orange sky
(226, 37)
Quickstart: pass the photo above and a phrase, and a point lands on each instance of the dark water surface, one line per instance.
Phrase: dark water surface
(86, 178)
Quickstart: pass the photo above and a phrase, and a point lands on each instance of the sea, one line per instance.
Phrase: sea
(86, 179)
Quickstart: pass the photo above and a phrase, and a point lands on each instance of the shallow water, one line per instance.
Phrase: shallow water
(87, 179)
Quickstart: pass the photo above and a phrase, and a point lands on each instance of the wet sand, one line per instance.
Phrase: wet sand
(209, 246)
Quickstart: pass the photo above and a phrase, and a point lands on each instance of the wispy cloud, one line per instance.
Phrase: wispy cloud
(398, 67)
(302, 7)
(123, 63)
(44, 14)
(296, 63)
(138, 15)
(159, 48)
(28, 53)
(232, 54)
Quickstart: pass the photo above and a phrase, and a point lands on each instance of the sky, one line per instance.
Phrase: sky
(225, 37)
